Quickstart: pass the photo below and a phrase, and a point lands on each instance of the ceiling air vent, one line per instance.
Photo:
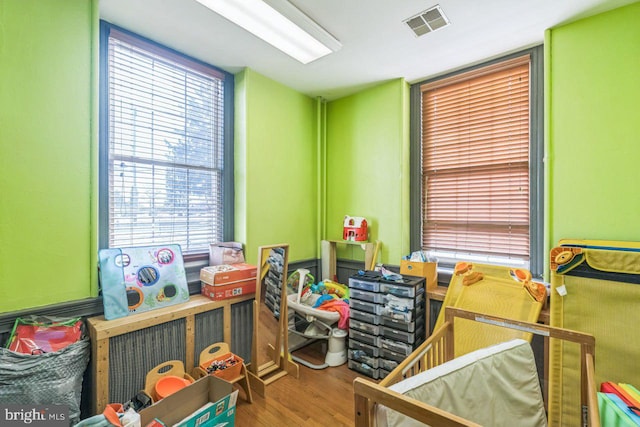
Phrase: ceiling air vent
(427, 21)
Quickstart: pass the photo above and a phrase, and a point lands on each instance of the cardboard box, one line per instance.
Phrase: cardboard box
(189, 401)
(220, 413)
(225, 253)
(217, 275)
(232, 290)
(428, 270)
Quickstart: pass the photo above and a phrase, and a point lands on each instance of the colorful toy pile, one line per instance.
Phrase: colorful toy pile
(218, 365)
(619, 404)
(325, 295)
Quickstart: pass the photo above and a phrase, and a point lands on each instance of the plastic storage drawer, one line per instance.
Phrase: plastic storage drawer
(387, 364)
(365, 317)
(396, 346)
(383, 373)
(362, 357)
(369, 349)
(368, 307)
(407, 280)
(396, 335)
(365, 369)
(364, 284)
(366, 295)
(405, 316)
(411, 315)
(392, 300)
(271, 288)
(392, 355)
(275, 308)
(365, 338)
(400, 289)
(364, 327)
(398, 324)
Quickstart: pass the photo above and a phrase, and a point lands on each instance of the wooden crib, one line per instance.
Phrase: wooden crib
(438, 349)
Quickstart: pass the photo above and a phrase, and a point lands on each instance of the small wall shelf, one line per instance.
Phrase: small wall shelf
(371, 250)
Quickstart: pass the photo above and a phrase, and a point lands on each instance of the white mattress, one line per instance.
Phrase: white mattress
(493, 386)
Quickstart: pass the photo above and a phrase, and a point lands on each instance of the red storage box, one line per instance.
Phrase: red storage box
(217, 275)
(231, 290)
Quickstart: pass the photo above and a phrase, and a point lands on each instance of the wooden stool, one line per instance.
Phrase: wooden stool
(215, 350)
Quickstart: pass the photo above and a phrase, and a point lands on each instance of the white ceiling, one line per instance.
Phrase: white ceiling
(377, 46)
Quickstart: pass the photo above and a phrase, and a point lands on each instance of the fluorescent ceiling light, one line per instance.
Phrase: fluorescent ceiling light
(274, 23)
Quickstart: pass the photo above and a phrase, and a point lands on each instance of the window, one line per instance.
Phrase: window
(478, 138)
(165, 151)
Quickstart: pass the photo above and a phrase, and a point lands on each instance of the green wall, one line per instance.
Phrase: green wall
(368, 167)
(47, 147)
(275, 167)
(48, 150)
(593, 134)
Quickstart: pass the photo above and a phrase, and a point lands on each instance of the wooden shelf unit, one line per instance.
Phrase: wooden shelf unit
(102, 330)
(329, 255)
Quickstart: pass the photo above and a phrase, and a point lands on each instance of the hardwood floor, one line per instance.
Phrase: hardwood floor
(318, 398)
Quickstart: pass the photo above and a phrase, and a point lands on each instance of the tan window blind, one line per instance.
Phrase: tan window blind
(475, 162)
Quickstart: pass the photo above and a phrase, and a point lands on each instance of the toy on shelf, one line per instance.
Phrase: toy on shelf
(355, 229)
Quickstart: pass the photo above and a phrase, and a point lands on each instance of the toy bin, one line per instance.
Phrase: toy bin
(228, 367)
(428, 270)
(231, 367)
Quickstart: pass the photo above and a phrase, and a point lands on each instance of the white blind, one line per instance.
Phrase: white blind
(475, 164)
(165, 147)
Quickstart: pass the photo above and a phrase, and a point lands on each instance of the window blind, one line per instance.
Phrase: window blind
(165, 147)
(475, 162)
